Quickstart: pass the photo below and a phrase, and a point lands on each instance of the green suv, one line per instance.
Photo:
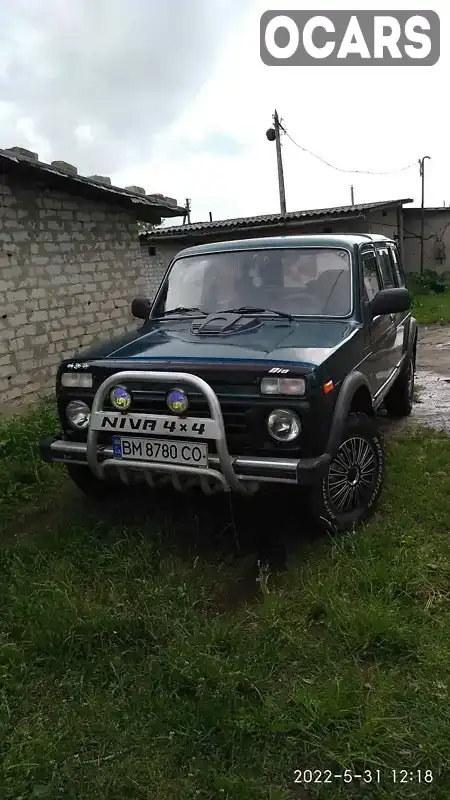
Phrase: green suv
(258, 361)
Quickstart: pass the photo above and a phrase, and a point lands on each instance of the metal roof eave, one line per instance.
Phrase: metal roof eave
(269, 222)
(148, 210)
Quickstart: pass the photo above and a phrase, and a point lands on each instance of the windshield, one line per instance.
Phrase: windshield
(301, 281)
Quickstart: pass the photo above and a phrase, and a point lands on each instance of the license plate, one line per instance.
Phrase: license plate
(189, 453)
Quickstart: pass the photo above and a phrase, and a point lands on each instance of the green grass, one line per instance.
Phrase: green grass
(119, 677)
(432, 308)
(24, 478)
(429, 307)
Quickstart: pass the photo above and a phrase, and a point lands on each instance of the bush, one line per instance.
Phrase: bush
(430, 281)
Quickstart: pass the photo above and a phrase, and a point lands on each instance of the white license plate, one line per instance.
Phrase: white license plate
(169, 452)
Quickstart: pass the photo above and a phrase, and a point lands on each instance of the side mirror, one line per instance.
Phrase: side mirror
(390, 301)
(140, 307)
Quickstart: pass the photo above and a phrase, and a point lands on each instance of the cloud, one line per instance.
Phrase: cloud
(172, 95)
(213, 142)
(95, 83)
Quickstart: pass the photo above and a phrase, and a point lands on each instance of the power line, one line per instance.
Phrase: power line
(339, 169)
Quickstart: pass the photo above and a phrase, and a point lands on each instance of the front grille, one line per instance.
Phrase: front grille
(244, 413)
(155, 403)
(244, 418)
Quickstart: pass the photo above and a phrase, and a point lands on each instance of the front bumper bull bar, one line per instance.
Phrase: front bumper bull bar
(224, 471)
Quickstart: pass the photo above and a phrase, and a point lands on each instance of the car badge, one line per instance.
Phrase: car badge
(120, 398)
(177, 401)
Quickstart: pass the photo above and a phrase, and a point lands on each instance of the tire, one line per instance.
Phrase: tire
(360, 461)
(94, 488)
(399, 400)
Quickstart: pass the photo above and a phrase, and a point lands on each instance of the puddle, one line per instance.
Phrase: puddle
(432, 405)
(433, 353)
(432, 396)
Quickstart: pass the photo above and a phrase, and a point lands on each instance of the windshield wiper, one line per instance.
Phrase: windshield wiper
(184, 310)
(256, 310)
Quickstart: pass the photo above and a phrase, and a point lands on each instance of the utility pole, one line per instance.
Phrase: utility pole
(352, 195)
(188, 212)
(273, 135)
(422, 213)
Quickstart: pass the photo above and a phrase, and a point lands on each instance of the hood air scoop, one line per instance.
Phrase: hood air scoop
(224, 324)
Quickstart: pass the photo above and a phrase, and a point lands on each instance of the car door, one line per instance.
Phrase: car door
(402, 318)
(381, 330)
(389, 281)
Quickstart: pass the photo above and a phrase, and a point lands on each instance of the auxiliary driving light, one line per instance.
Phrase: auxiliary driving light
(283, 425)
(78, 414)
(120, 398)
(177, 401)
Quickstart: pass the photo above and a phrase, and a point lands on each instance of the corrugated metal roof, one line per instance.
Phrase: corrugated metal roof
(270, 219)
(150, 208)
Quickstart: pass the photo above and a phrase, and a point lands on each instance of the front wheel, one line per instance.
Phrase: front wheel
(351, 486)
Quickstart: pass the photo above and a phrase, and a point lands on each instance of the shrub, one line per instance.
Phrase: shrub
(430, 281)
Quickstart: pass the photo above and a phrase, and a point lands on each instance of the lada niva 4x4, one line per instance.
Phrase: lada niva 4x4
(258, 361)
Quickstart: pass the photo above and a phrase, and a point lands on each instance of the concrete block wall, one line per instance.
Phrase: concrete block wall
(156, 264)
(436, 239)
(69, 268)
(436, 231)
(383, 223)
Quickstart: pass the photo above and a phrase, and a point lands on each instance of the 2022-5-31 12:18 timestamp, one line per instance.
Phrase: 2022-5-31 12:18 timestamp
(397, 776)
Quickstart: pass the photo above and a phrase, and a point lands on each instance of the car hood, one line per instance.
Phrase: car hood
(303, 342)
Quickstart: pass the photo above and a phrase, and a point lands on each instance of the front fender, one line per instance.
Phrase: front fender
(351, 384)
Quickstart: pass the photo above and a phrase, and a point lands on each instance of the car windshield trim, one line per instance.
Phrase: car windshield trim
(347, 248)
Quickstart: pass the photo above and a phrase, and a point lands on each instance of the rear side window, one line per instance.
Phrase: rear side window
(372, 283)
(386, 268)
(396, 265)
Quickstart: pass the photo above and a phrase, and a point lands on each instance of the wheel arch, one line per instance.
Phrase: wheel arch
(411, 339)
(354, 395)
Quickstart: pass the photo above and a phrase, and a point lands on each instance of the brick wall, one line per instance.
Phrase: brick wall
(156, 264)
(69, 269)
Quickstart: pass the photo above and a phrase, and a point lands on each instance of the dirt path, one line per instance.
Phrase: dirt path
(433, 353)
(432, 408)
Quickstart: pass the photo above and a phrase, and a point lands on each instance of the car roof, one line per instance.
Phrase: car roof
(270, 242)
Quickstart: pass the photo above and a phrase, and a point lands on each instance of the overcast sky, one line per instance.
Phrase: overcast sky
(172, 95)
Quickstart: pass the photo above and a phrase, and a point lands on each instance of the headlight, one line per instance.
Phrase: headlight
(78, 414)
(283, 425)
(76, 380)
(287, 386)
